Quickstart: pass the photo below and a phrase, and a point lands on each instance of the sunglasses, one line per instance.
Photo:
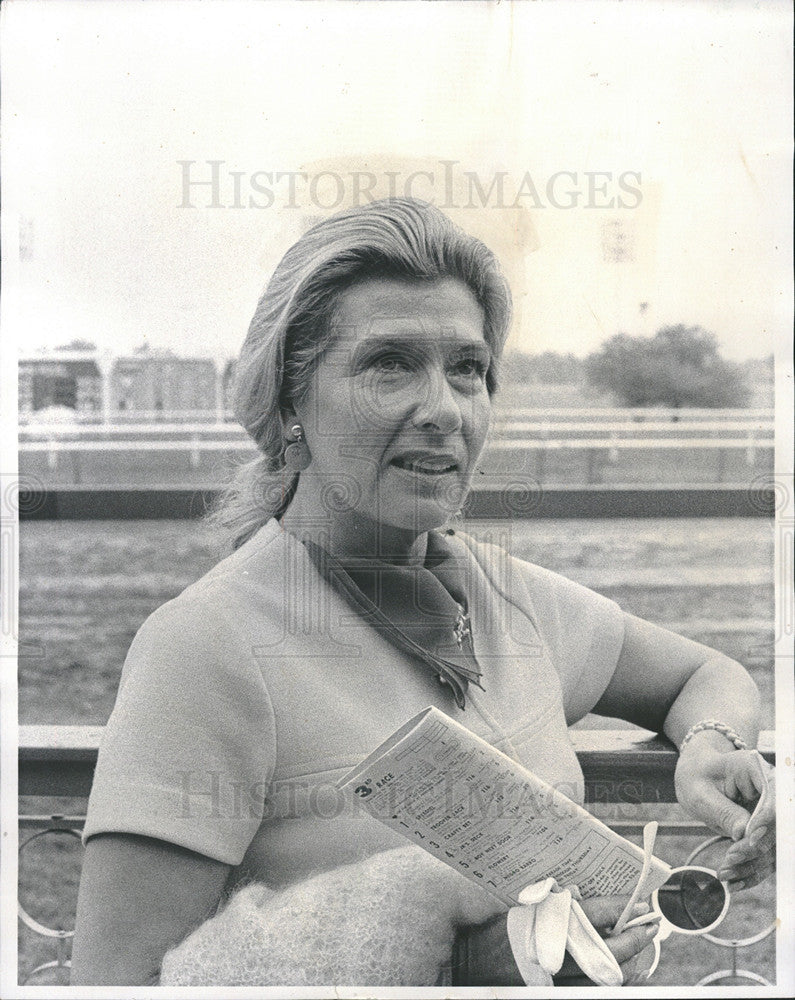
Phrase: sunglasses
(693, 900)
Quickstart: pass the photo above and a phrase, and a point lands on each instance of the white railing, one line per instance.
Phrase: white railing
(99, 418)
(534, 427)
(503, 413)
(245, 444)
(634, 413)
(541, 431)
(616, 432)
(750, 442)
(517, 422)
(105, 432)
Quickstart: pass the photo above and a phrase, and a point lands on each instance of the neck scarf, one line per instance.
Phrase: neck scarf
(422, 610)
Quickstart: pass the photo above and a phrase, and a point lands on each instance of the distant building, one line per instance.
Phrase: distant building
(761, 377)
(69, 380)
(229, 384)
(154, 381)
(147, 382)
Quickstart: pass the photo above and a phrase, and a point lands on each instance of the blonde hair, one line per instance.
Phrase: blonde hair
(292, 326)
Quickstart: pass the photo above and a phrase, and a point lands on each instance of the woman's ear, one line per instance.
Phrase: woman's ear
(297, 455)
(288, 421)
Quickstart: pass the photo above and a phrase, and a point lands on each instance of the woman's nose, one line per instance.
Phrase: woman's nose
(437, 406)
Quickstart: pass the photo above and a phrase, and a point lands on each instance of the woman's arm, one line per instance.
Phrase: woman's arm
(138, 898)
(668, 684)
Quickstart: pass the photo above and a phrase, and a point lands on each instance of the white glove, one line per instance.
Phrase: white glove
(549, 922)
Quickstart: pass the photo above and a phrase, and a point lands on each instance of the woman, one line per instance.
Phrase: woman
(366, 381)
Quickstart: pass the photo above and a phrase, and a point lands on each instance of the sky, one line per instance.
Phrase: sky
(634, 159)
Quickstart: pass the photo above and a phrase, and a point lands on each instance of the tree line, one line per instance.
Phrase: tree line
(680, 366)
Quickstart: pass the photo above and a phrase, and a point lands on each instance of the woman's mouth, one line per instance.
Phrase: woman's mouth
(426, 465)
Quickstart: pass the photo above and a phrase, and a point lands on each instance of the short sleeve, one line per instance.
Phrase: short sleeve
(188, 753)
(582, 631)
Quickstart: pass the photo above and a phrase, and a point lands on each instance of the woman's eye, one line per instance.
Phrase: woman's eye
(392, 364)
(470, 368)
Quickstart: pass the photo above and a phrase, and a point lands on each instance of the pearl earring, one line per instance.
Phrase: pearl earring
(297, 455)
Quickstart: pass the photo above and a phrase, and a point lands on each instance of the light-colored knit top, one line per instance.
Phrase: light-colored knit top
(247, 697)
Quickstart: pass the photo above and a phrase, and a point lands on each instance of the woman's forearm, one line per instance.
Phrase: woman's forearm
(716, 780)
(138, 898)
(719, 689)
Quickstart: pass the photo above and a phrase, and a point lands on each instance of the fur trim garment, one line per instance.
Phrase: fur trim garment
(389, 920)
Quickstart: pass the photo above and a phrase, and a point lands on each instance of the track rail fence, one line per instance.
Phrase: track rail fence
(551, 447)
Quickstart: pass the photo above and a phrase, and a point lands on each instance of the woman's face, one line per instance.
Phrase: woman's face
(398, 410)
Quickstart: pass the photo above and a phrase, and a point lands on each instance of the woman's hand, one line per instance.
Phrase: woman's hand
(721, 788)
(490, 962)
(603, 912)
(753, 858)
